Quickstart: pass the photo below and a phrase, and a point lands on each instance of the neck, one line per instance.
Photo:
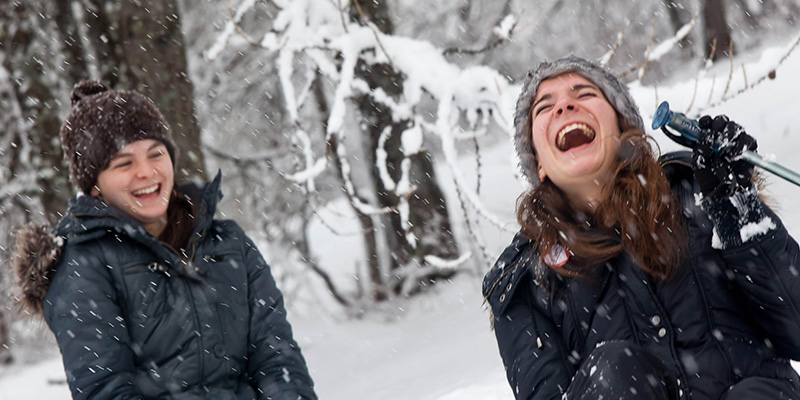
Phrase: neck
(156, 228)
(585, 198)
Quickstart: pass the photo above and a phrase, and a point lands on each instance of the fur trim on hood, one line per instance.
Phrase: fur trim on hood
(615, 91)
(36, 256)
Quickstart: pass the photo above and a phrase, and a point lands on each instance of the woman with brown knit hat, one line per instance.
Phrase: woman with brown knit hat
(150, 297)
(635, 277)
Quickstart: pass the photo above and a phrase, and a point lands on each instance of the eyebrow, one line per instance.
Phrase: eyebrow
(121, 155)
(575, 88)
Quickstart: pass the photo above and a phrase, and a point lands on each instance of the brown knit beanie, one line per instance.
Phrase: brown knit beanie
(103, 121)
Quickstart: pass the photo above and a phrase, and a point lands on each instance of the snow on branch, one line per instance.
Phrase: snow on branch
(447, 264)
(737, 81)
(311, 37)
(470, 90)
(655, 52)
(230, 28)
(503, 31)
(664, 47)
(765, 68)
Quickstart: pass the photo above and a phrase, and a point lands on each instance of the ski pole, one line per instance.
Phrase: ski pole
(690, 131)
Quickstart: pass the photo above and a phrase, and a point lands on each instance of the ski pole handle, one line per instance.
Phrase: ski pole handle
(689, 129)
(686, 126)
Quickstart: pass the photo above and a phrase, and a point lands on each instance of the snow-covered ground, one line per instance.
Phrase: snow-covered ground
(438, 346)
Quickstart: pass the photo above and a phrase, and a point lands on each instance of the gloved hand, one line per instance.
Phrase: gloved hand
(716, 159)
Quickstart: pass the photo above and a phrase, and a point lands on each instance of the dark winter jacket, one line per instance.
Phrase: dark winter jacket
(728, 314)
(136, 320)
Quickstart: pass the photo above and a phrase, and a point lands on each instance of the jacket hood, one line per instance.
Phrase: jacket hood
(38, 249)
(615, 91)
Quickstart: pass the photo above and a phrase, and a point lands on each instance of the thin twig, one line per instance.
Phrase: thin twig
(326, 278)
(642, 65)
(744, 75)
(649, 49)
(468, 223)
(694, 95)
(334, 230)
(239, 29)
(713, 51)
(730, 72)
(478, 166)
(471, 52)
(341, 15)
(617, 44)
(266, 156)
(527, 25)
(374, 31)
(762, 78)
(711, 91)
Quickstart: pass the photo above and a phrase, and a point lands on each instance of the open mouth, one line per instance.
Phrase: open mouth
(574, 135)
(146, 192)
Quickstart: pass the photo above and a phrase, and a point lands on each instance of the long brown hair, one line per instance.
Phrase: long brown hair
(180, 221)
(638, 215)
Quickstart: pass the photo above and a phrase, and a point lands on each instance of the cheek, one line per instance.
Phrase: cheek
(538, 135)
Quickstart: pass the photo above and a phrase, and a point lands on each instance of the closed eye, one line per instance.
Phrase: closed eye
(156, 154)
(122, 164)
(542, 108)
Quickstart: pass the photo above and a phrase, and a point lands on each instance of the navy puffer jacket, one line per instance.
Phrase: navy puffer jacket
(727, 315)
(136, 320)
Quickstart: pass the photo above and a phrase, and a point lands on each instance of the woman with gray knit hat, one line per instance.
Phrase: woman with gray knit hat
(149, 296)
(634, 276)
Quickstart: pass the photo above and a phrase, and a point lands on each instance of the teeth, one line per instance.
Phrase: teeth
(561, 140)
(145, 191)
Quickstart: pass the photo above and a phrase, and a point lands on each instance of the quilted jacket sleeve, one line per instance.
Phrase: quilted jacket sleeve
(766, 268)
(82, 311)
(275, 364)
(531, 348)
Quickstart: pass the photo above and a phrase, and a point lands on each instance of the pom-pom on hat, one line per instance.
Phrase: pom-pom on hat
(103, 121)
(615, 91)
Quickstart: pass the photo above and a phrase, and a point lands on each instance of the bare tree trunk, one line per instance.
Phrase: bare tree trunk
(74, 56)
(429, 219)
(139, 46)
(150, 34)
(30, 107)
(5, 353)
(42, 58)
(717, 29)
(102, 37)
(378, 288)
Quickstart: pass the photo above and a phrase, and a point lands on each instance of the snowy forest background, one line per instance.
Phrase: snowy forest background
(364, 145)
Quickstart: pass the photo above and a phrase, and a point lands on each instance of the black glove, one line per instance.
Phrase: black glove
(718, 167)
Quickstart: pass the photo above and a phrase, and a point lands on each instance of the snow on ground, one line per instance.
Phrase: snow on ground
(438, 346)
(433, 347)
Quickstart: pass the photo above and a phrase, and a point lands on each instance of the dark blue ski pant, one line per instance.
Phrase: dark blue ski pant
(624, 370)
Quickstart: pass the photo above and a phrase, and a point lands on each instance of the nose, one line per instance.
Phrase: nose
(565, 106)
(146, 170)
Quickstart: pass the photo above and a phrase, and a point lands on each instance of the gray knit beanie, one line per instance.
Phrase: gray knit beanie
(615, 91)
(103, 121)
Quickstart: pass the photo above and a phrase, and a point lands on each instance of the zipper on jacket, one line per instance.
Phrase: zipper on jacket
(676, 161)
(197, 326)
(535, 332)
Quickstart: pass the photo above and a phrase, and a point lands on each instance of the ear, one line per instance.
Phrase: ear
(542, 174)
(95, 191)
